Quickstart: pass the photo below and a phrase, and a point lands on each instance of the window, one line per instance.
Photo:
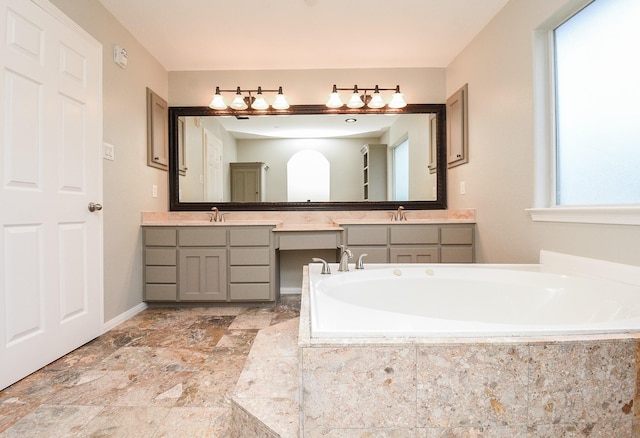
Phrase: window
(597, 98)
(401, 171)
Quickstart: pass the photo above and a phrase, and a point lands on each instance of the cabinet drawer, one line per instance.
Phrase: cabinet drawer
(250, 236)
(374, 254)
(413, 234)
(367, 235)
(249, 256)
(456, 236)
(159, 257)
(160, 237)
(210, 236)
(456, 254)
(160, 292)
(249, 274)
(308, 240)
(244, 291)
(160, 274)
(413, 255)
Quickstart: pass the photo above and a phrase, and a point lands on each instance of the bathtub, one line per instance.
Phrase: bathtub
(544, 350)
(468, 300)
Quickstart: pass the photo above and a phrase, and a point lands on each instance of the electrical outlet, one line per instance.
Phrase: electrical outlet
(463, 188)
(108, 152)
(154, 191)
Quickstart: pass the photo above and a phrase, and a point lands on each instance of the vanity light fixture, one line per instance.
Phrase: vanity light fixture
(243, 99)
(373, 100)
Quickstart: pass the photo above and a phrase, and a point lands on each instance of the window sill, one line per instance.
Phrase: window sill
(587, 215)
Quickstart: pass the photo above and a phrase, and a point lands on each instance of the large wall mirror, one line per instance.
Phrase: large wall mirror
(307, 158)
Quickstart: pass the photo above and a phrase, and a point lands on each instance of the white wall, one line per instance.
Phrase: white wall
(498, 66)
(303, 87)
(127, 180)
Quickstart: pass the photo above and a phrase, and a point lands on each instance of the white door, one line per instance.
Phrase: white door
(213, 166)
(50, 170)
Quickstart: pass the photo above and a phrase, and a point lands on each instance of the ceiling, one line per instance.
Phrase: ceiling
(303, 34)
(308, 126)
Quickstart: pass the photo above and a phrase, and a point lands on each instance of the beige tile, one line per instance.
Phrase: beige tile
(125, 422)
(373, 387)
(193, 422)
(252, 318)
(52, 421)
(575, 383)
(472, 385)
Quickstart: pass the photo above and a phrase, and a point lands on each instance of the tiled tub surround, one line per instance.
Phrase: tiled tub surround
(551, 386)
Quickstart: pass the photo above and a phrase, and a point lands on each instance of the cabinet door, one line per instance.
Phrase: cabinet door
(203, 275)
(414, 255)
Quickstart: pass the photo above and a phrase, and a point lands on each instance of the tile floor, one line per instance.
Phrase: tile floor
(166, 372)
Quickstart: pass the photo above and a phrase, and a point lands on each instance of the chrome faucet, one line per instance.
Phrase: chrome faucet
(345, 256)
(216, 216)
(399, 215)
(325, 265)
(360, 263)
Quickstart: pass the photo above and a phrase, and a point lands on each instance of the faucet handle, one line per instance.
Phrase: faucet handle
(325, 265)
(360, 263)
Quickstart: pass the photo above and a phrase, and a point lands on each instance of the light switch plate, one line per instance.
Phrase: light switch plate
(108, 151)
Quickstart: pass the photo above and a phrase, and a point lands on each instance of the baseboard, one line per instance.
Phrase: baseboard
(112, 323)
(290, 290)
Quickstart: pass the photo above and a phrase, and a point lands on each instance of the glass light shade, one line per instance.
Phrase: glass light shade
(280, 103)
(260, 104)
(239, 103)
(397, 100)
(376, 101)
(355, 101)
(335, 101)
(218, 103)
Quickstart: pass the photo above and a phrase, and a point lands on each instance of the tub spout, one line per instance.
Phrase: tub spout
(345, 256)
(360, 263)
(325, 265)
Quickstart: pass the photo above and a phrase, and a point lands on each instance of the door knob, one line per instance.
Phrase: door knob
(94, 207)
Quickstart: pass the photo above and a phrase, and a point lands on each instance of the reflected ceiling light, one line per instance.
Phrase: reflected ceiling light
(244, 99)
(373, 101)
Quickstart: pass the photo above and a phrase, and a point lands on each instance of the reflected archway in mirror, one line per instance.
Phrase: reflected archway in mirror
(177, 115)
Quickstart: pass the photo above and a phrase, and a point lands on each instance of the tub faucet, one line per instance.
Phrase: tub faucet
(325, 265)
(399, 215)
(216, 216)
(360, 263)
(345, 256)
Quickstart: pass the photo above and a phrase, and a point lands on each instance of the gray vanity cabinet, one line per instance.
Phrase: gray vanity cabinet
(209, 264)
(202, 273)
(160, 264)
(412, 243)
(456, 244)
(251, 264)
(371, 240)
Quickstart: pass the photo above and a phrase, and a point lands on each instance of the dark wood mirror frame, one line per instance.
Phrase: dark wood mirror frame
(201, 111)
